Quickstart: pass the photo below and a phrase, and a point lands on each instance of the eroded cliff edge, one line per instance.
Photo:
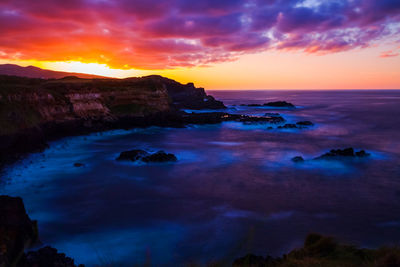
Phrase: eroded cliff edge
(33, 111)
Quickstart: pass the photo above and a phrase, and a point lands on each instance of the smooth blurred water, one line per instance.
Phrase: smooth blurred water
(233, 190)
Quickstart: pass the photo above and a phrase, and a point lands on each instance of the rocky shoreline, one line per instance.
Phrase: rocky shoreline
(36, 111)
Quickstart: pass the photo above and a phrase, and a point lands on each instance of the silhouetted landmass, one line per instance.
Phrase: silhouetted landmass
(35, 72)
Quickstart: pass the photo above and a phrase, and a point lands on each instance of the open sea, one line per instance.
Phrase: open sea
(234, 189)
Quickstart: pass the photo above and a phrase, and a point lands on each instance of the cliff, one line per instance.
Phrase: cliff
(34, 110)
(17, 231)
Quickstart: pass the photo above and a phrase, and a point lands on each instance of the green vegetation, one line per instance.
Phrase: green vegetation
(324, 251)
(16, 116)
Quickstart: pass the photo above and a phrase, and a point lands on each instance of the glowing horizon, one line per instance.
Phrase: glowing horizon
(235, 44)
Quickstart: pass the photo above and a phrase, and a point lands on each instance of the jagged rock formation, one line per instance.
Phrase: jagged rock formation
(187, 95)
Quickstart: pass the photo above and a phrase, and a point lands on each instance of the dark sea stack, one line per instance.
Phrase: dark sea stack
(17, 231)
(298, 159)
(47, 257)
(305, 123)
(160, 156)
(279, 104)
(343, 153)
(132, 155)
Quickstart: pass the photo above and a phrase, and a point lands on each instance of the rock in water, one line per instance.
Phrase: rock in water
(132, 155)
(160, 156)
(298, 159)
(279, 104)
(17, 231)
(138, 154)
(288, 126)
(77, 164)
(305, 123)
(341, 153)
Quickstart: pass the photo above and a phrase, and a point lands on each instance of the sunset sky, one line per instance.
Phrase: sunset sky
(218, 44)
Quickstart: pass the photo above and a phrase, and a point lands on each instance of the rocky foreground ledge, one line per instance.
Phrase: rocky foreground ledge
(18, 233)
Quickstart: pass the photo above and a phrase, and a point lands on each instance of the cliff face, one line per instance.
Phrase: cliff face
(34, 110)
(17, 231)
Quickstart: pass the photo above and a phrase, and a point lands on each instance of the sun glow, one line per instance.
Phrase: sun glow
(91, 68)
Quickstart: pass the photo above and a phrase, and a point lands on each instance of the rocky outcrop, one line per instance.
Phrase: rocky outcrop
(144, 156)
(343, 153)
(187, 95)
(276, 104)
(17, 231)
(280, 104)
(298, 159)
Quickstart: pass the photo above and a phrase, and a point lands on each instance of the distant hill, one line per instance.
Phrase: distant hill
(35, 72)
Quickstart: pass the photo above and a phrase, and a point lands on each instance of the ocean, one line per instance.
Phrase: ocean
(234, 189)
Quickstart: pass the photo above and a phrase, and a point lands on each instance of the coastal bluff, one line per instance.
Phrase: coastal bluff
(34, 110)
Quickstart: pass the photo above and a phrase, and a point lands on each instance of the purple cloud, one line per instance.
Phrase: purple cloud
(172, 33)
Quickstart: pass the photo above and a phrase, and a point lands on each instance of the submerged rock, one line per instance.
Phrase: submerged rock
(342, 153)
(288, 126)
(305, 123)
(160, 156)
(280, 104)
(298, 159)
(298, 125)
(77, 164)
(141, 155)
(17, 231)
(272, 114)
(251, 105)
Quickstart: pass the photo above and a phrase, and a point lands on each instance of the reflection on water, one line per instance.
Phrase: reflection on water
(233, 190)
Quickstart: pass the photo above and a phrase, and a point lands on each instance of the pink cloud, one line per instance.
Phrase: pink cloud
(171, 33)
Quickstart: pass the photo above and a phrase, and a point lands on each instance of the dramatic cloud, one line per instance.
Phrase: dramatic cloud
(172, 33)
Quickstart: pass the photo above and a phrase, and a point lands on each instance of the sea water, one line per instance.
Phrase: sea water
(234, 189)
